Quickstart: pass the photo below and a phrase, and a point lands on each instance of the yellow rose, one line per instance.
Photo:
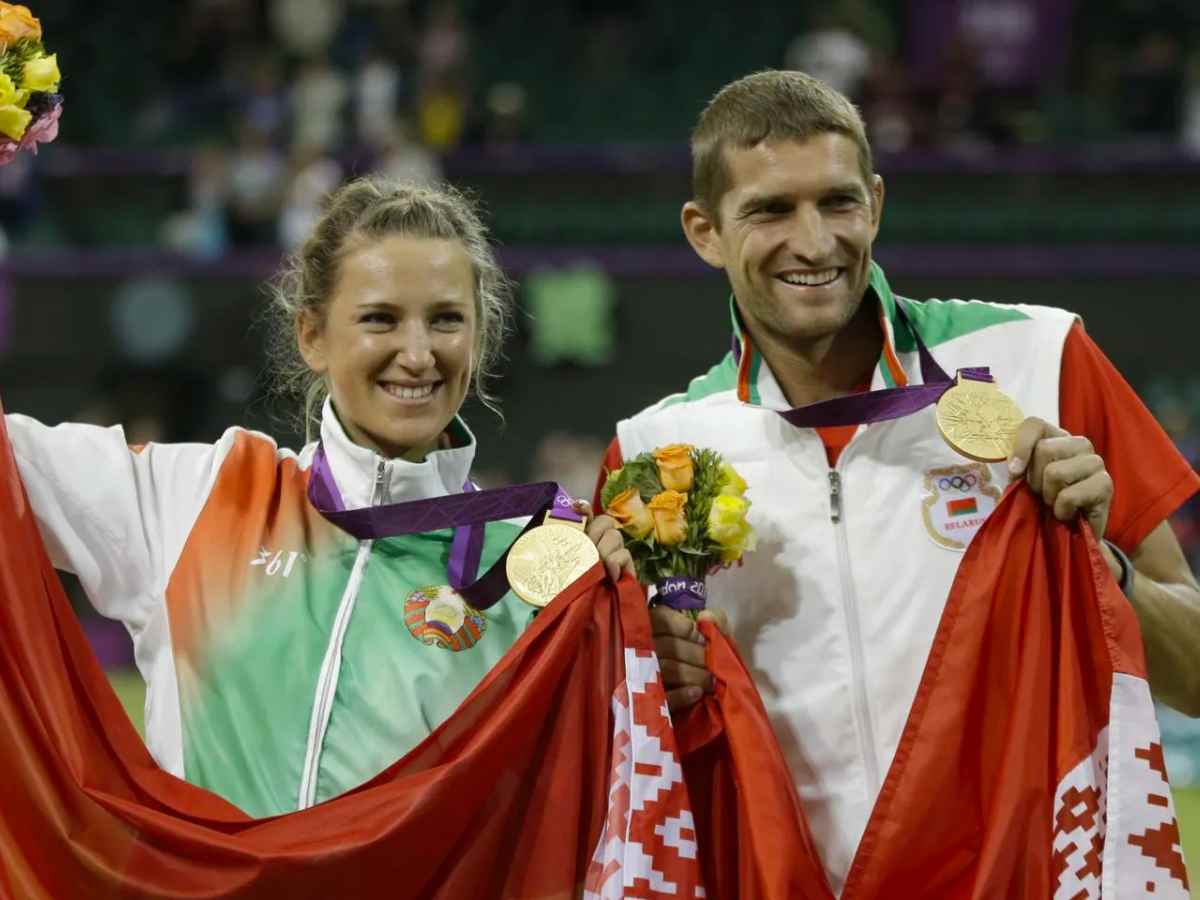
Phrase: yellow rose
(630, 513)
(727, 525)
(675, 467)
(727, 519)
(41, 74)
(732, 483)
(18, 23)
(9, 95)
(14, 121)
(670, 523)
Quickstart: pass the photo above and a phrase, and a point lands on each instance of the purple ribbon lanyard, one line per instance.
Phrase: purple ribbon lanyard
(888, 403)
(467, 513)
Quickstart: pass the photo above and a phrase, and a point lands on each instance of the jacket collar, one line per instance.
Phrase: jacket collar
(756, 383)
(356, 468)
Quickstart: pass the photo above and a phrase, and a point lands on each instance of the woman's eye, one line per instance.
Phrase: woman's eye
(378, 318)
(448, 319)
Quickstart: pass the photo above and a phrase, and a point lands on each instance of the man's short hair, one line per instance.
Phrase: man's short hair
(769, 105)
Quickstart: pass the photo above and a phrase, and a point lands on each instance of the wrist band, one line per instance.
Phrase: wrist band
(1126, 580)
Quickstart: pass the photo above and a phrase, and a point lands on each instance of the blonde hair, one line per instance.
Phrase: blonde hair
(372, 208)
(768, 105)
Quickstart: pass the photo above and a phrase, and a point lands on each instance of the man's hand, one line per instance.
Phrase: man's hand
(1065, 470)
(606, 536)
(680, 649)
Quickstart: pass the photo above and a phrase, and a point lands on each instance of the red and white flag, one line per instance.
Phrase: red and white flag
(557, 778)
(1030, 766)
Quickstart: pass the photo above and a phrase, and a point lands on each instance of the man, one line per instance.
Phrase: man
(862, 528)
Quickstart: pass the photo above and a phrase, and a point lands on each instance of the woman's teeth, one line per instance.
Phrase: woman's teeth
(409, 393)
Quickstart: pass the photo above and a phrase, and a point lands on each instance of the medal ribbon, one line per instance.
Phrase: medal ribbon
(887, 403)
(467, 513)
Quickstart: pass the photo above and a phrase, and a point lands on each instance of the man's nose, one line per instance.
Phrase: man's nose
(810, 239)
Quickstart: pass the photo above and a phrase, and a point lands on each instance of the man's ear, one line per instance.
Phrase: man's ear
(877, 193)
(310, 338)
(701, 231)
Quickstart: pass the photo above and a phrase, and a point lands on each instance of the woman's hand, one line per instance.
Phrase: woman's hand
(606, 536)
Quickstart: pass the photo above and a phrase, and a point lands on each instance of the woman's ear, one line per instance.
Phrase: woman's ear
(310, 338)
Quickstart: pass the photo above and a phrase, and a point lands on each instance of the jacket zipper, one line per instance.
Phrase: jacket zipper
(331, 666)
(862, 709)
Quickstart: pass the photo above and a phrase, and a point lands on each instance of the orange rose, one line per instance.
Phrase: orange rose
(631, 514)
(675, 466)
(670, 523)
(18, 23)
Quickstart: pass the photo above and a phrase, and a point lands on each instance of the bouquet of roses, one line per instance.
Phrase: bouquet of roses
(30, 104)
(683, 513)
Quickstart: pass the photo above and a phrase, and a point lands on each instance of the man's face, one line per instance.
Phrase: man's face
(795, 234)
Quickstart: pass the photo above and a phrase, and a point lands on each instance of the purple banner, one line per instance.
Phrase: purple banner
(682, 593)
(1014, 43)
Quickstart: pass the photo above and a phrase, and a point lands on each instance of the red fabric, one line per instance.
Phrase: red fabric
(523, 793)
(1015, 695)
(1151, 478)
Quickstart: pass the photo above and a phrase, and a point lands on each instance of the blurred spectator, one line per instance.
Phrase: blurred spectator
(265, 104)
(403, 159)
(257, 176)
(444, 97)
(445, 45)
(507, 116)
(314, 177)
(377, 89)
(318, 102)
(201, 229)
(306, 28)
(832, 52)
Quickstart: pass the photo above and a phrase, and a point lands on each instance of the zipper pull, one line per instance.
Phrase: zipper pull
(835, 496)
(379, 472)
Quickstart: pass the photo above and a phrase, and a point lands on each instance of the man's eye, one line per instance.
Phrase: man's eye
(842, 201)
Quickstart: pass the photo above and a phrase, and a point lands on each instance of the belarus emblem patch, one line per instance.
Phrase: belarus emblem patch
(438, 616)
(958, 500)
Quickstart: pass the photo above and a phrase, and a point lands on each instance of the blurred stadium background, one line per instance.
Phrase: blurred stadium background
(1045, 151)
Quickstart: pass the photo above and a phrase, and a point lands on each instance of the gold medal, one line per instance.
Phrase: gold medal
(546, 560)
(978, 420)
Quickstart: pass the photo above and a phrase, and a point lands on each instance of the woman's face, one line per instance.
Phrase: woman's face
(397, 341)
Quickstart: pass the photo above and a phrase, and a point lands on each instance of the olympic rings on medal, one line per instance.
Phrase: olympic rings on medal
(962, 483)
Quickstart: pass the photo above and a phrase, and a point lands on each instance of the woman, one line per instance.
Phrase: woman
(285, 661)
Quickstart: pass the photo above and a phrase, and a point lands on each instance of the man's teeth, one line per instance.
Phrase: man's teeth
(810, 279)
(409, 393)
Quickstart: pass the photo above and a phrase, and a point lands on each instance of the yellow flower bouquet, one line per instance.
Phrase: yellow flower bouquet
(683, 513)
(30, 105)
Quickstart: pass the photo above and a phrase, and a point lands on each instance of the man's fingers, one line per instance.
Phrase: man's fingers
(679, 649)
(1062, 473)
(609, 543)
(1051, 450)
(718, 618)
(597, 526)
(1091, 496)
(679, 674)
(682, 698)
(667, 621)
(1029, 433)
(620, 561)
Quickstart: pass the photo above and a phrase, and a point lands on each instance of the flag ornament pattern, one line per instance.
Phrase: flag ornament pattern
(648, 803)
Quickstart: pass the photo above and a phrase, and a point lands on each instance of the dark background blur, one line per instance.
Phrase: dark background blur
(1043, 151)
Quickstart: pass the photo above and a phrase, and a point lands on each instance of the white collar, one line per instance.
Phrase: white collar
(356, 468)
